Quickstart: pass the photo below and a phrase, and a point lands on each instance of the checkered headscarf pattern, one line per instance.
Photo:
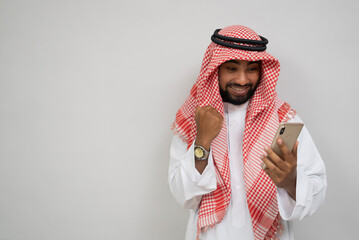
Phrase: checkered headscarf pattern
(265, 111)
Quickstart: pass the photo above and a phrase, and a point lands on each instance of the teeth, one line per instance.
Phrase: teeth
(239, 89)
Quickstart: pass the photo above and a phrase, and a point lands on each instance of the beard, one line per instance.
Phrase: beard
(237, 100)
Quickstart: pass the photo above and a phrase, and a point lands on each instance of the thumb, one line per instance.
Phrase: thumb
(295, 150)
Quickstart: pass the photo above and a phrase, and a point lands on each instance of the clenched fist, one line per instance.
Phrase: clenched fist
(209, 123)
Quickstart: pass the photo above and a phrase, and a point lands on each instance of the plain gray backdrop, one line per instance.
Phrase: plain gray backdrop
(89, 89)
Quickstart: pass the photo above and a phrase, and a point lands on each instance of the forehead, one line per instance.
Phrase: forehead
(241, 62)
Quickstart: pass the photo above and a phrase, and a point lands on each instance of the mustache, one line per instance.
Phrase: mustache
(238, 85)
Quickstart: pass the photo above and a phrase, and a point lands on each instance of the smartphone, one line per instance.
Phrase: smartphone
(289, 133)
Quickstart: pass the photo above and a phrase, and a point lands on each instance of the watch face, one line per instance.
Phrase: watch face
(198, 152)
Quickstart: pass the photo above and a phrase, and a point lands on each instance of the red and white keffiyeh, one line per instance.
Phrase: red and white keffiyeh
(264, 113)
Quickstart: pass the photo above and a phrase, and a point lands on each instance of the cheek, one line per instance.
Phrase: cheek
(254, 78)
(220, 80)
(222, 84)
(223, 79)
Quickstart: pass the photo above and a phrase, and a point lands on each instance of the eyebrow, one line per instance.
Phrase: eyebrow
(254, 62)
(236, 62)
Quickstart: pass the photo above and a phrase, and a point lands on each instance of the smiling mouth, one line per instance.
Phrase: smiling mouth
(239, 90)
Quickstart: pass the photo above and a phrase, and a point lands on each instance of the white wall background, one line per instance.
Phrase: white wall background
(89, 89)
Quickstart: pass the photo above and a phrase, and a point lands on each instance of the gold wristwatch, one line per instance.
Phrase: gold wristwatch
(200, 153)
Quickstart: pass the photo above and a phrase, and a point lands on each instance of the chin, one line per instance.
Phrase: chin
(238, 100)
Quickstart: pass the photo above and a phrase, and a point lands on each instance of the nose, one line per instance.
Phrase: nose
(241, 78)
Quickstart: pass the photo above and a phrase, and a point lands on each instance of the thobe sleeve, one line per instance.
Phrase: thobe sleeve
(186, 183)
(311, 181)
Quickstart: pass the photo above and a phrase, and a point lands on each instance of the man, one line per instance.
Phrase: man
(221, 166)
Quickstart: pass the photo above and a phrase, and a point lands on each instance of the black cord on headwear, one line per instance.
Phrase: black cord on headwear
(225, 41)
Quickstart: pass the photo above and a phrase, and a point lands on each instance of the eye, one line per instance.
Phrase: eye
(232, 69)
(253, 69)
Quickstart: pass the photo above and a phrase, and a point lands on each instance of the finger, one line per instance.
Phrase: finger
(275, 159)
(208, 107)
(295, 150)
(221, 118)
(287, 154)
(214, 111)
(197, 110)
(283, 147)
(270, 166)
(196, 113)
(272, 175)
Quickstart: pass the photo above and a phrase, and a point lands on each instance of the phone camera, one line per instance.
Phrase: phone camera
(281, 130)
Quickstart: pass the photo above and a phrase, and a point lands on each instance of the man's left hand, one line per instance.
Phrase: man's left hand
(283, 171)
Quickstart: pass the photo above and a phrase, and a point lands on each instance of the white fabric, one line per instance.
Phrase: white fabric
(188, 186)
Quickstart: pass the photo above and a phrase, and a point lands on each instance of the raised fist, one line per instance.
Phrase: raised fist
(209, 123)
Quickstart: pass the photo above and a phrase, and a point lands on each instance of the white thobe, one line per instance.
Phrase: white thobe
(188, 185)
